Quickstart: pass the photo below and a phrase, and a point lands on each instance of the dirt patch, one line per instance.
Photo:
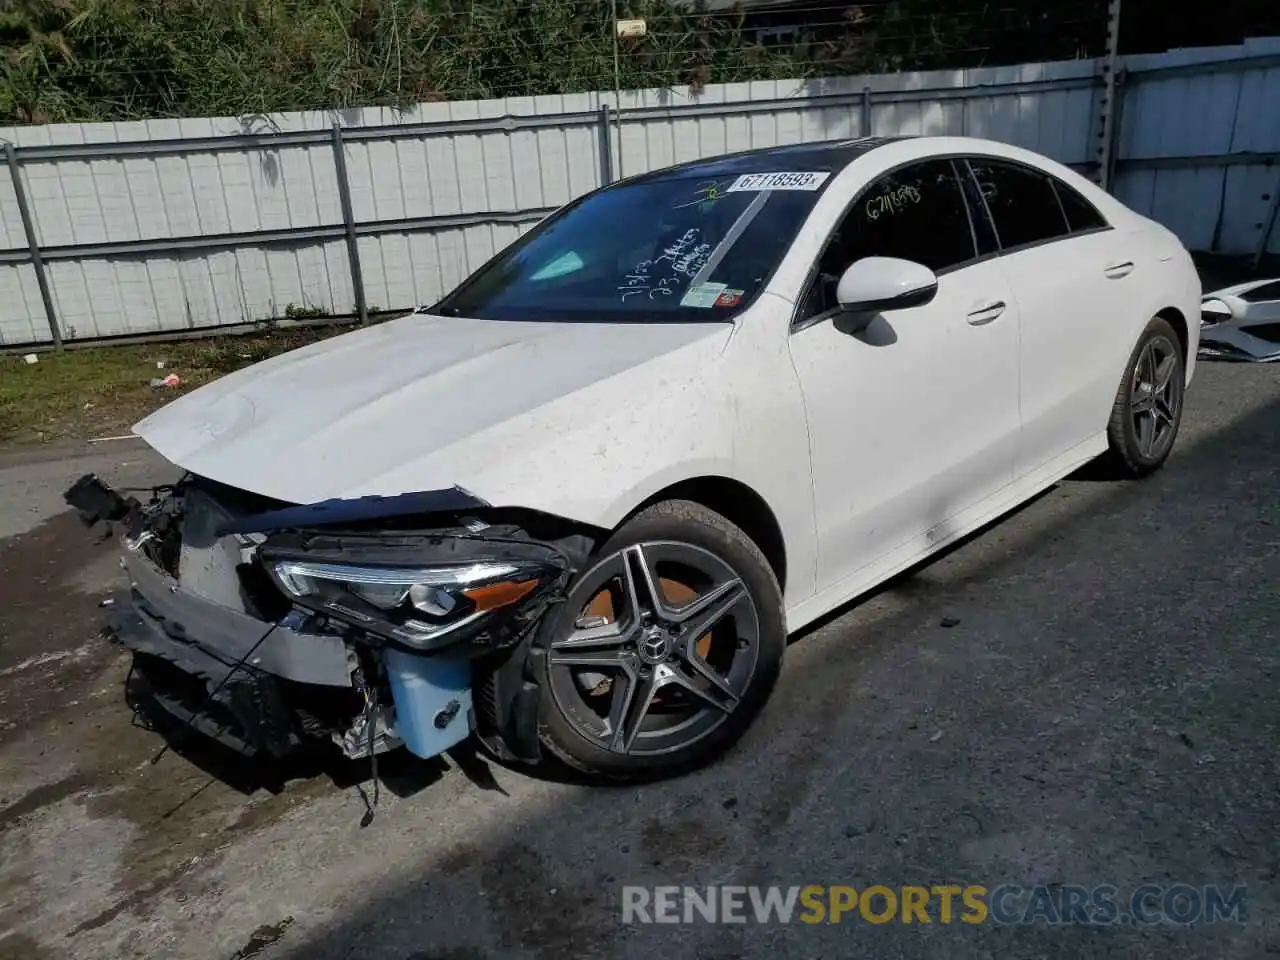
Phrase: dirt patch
(44, 796)
(65, 718)
(459, 860)
(185, 813)
(174, 822)
(675, 843)
(43, 609)
(540, 912)
(136, 898)
(51, 646)
(20, 945)
(263, 937)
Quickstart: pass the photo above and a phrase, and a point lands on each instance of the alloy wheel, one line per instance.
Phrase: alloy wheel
(1155, 397)
(663, 647)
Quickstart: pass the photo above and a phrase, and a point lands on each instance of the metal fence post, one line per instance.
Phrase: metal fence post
(606, 146)
(1116, 133)
(866, 111)
(1107, 135)
(1269, 226)
(33, 244)
(349, 222)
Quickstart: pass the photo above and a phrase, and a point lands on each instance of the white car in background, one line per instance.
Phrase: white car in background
(1242, 322)
(577, 506)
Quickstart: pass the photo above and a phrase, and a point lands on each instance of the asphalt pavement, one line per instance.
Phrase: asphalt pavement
(1100, 710)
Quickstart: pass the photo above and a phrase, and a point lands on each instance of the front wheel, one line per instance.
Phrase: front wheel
(1148, 405)
(666, 649)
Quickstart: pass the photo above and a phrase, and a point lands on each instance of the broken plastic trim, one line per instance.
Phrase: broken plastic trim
(96, 502)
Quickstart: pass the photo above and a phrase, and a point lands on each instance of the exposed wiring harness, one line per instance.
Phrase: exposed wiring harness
(370, 714)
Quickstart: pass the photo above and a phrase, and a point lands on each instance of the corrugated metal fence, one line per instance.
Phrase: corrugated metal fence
(173, 225)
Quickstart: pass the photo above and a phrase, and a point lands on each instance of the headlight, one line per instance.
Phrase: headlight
(1213, 310)
(417, 606)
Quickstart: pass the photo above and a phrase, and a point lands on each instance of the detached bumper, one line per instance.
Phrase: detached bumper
(246, 714)
(193, 625)
(191, 646)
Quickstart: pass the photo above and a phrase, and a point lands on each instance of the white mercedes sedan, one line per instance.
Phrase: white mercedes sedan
(574, 508)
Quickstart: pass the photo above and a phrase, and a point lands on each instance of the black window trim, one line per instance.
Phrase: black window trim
(958, 160)
(799, 323)
(1054, 184)
(1058, 187)
(976, 190)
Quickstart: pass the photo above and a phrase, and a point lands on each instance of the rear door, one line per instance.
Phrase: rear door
(1073, 283)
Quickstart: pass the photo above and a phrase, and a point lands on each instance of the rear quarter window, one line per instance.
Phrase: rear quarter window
(1081, 214)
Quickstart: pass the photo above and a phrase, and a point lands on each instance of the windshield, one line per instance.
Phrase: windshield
(676, 249)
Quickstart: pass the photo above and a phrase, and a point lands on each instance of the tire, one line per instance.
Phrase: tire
(1150, 392)
(598, 662)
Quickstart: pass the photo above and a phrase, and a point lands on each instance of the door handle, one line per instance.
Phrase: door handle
(1118, 270)
(986, 314)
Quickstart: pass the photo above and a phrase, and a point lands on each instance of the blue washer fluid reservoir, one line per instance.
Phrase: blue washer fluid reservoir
(433, 700)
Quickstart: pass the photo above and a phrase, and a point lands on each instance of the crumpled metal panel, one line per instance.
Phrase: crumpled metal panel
(208, 560)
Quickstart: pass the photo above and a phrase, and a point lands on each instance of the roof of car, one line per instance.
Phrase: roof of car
(829, 155)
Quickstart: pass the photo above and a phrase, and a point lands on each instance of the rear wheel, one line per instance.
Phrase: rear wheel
(666, 649)
(1148, 405)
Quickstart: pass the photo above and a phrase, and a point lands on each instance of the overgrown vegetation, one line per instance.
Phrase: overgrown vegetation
(87, 60)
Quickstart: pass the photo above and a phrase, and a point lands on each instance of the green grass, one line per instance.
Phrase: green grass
(102, 391)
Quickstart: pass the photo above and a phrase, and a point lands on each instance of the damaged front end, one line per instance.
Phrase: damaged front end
(368, 623)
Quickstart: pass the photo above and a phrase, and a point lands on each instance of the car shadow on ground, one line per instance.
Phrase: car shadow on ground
(397, 771)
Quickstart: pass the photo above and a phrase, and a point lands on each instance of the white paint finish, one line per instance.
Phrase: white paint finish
(466, 395)
(961, 524)
(1077, 329)
(875, 281)
(905, 432)
(873, 450)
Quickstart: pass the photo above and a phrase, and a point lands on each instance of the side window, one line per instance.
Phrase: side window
(1081, 214)
(1022, 202)
(916, 213)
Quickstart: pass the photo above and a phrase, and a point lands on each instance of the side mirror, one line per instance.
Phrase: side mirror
(875, 284)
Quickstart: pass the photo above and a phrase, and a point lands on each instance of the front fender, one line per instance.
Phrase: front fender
(726, 407)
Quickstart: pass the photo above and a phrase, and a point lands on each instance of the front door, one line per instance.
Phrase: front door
(916, 417)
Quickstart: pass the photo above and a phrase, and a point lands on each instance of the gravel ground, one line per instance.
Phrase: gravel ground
(1103, 712)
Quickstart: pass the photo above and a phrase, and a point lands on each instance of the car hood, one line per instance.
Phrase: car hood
(385, 410)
